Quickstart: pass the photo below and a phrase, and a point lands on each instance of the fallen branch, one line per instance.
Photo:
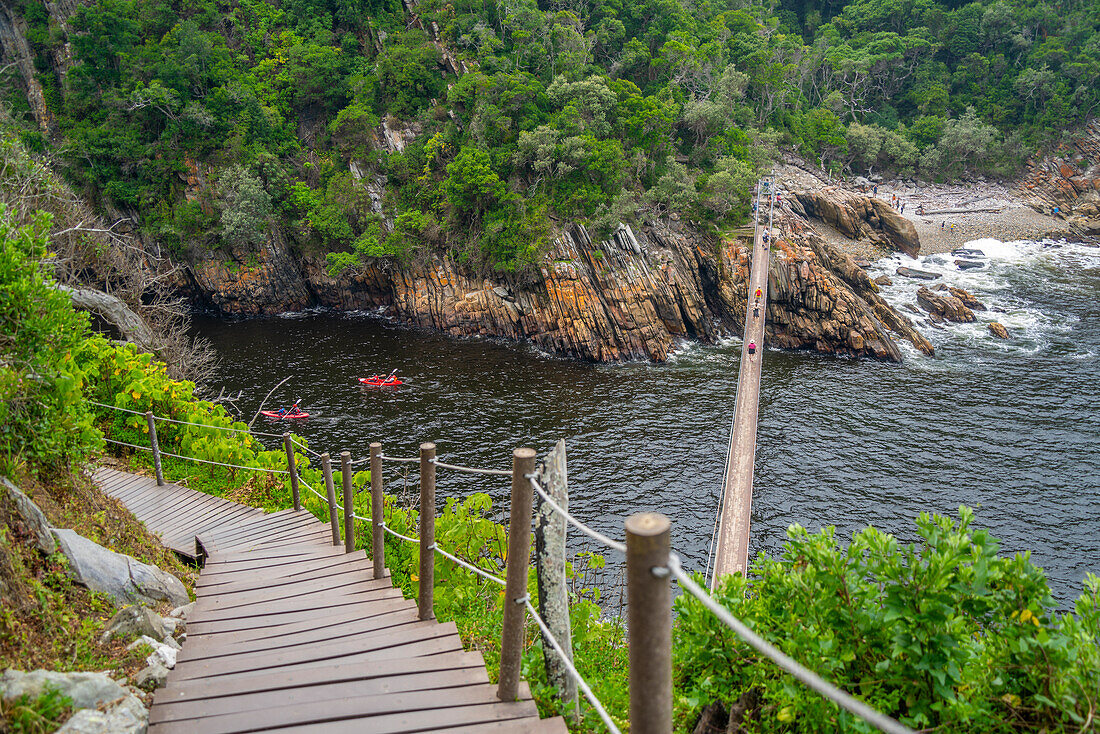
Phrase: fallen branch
(262, 402)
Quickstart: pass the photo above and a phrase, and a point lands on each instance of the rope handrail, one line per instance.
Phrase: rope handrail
(188, 423)
(399, 460)
(394, 533)
(471, 470)
(324, 499)
(594, 534)
(804, 675)
(202, 461)
(435, 547)
(581, 683)
(300, 445)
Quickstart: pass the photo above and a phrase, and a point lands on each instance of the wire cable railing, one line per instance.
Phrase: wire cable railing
(201, 461)
(189, 423)
(758, 643)
(674, 569)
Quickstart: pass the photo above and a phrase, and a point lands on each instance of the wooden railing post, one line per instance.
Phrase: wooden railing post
(156, 447)
(292, 467)
(378, 546)
(649, 623)
(349, 502)
(427, 531)
(550, 574)
(330, 495)
(515, 590)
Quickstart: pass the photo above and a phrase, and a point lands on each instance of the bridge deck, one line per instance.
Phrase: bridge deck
(732, 552)
(291, 634)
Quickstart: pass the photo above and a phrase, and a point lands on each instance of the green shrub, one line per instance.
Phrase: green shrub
(942, 634)
(43, 422)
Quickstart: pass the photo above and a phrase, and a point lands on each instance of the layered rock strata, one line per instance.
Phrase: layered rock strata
(1068, 180)
(631, 296)
(858, 217)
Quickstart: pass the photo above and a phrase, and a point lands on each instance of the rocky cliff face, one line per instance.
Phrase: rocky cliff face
(631, 296)
(1068, 179)
(858, 217)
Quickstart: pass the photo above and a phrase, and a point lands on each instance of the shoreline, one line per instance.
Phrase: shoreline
(938, 233)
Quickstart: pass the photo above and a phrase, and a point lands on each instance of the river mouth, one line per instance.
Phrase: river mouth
(1009, 428)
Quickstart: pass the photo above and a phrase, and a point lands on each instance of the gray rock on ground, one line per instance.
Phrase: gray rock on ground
(125, 579)
(163, 653)
(182, 612)
(137, 620)
(129, 716)
(87, 690)
(33, 516)
(151, 677)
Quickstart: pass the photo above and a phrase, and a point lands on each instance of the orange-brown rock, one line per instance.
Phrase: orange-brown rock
(998, 330)
(1068, 179)
(945, 307)
(858, 217)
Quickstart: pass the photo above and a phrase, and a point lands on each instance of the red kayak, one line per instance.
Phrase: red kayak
(277, 415)
(379, 381)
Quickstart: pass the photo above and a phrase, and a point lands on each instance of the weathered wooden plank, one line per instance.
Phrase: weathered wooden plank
(430, 720)
(385, 640)
(298, 695)
(264, 680)
(426, 706)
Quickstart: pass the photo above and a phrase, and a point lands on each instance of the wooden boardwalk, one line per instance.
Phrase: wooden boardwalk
(292, 634)
(732, 552)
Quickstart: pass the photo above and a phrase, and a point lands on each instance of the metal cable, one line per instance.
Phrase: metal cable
(323, 498)
(123, 443)
(297, 443)
(401, 461)
(804, 675)
(219, 428)
(394, 533)
(192, 458)
(115, 407)
(594, 534)
(572, 670)
(187, 423)
(440, 551)
(469, 566)
(470, 470)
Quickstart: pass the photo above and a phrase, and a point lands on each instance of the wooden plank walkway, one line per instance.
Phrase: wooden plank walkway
(732, 552)
(291, 634)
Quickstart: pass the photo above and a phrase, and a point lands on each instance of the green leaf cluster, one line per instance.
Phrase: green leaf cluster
(941, 634)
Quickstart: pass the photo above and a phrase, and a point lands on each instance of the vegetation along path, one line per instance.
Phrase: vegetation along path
(290, 633)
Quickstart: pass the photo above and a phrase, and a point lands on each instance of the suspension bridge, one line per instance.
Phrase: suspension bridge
(295, 628)
(735, 505)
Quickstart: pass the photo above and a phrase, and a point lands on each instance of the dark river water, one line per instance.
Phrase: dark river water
(1009, 428)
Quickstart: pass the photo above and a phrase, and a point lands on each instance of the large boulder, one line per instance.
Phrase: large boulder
(123, 578)
(87, 690)
(949, 308)
(128, 716)
(33, 517)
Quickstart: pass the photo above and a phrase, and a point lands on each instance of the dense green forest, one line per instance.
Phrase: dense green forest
(530, 113)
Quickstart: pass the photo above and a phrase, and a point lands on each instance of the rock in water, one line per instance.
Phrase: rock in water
(125, 579)
(946, 307)
(883, 280)
(998, 330)
(35, 520)
(968, 264)
(967, 298)
(922, 274)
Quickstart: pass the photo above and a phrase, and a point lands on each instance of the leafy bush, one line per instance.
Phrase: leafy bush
(942, 634)
(43, 422)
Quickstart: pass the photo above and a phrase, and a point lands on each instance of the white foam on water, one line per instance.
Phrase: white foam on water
(995, 285)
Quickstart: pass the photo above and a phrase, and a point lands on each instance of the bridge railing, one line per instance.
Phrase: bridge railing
(651, 565)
